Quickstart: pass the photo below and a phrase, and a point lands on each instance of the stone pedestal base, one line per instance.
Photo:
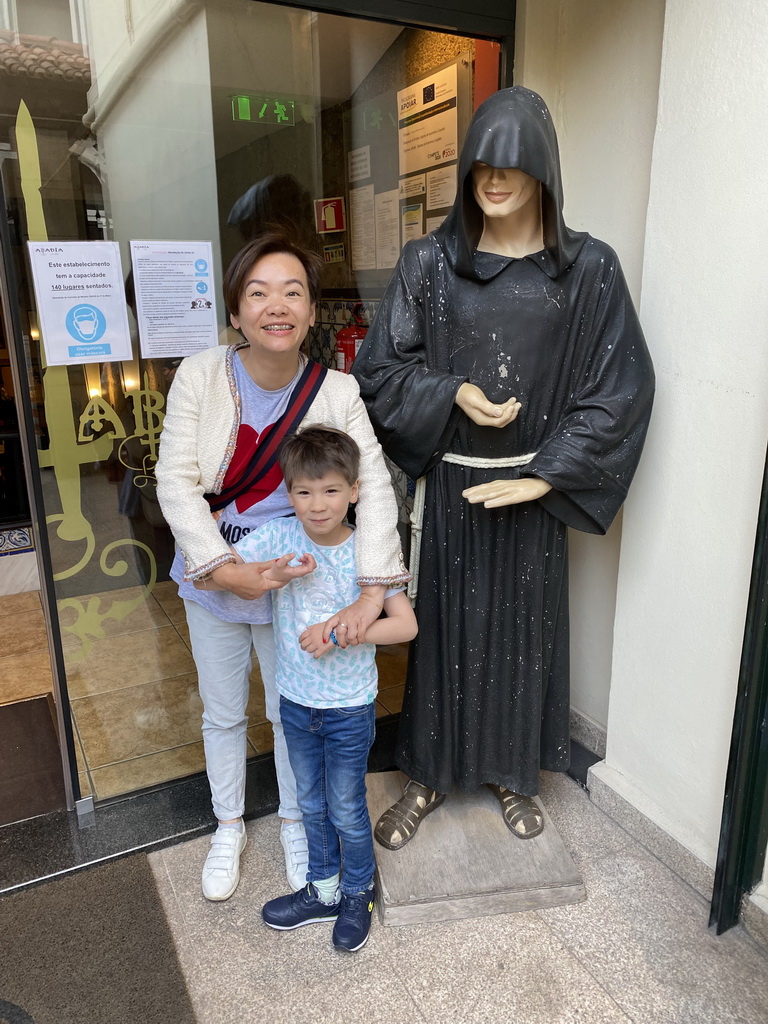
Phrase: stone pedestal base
(464, 862)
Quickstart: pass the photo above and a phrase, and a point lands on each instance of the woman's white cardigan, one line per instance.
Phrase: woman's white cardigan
(198, 441)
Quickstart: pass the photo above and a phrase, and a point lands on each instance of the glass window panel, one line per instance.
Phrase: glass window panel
(213, 126)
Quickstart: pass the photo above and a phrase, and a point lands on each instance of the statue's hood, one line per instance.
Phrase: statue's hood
(512, 128)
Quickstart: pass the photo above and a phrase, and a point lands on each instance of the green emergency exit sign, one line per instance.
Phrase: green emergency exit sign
(264, 109)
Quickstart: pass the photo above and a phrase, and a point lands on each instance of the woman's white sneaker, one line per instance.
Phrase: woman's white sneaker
(294, 842)
(221, 871)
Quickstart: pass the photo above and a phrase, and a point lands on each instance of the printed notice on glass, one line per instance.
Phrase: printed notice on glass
(428, 122)
(363, 228)
(387, 229)
(175, 301)
(80, 302)
(441, 188)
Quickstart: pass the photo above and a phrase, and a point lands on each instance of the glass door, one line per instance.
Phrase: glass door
(131, 123)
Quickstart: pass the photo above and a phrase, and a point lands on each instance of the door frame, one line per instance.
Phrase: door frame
(8, 291)
(744, 826)
(481, 20)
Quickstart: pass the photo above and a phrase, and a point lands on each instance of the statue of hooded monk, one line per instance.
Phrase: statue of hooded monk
(506, 371)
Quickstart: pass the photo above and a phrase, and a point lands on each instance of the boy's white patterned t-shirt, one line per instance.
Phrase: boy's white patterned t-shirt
(340, 678)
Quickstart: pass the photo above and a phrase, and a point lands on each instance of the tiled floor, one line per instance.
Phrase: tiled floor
(25, 668)
(132, 684)
(638, 950)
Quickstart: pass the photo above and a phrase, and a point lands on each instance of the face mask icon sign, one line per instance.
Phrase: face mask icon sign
(85, 323)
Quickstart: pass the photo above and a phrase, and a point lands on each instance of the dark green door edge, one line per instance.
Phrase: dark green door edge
(744, 826)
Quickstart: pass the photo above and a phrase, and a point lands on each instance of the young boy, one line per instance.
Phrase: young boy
(327, 689)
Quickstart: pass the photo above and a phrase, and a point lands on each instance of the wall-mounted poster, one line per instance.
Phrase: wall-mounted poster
(387, 229)
(441, 187)
(80, 302)
(413, 221)
(363, 228)
(414, 186)
(175, 300)
(428, 122)
(359, 163)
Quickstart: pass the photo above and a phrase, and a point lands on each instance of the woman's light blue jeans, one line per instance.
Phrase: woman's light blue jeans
(222, 653)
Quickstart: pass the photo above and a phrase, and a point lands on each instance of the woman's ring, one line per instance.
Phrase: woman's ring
(342, 625)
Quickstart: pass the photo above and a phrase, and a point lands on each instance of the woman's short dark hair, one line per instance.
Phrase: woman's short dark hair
(236, 277)
(319, 450)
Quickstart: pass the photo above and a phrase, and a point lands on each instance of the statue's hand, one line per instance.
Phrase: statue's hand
(507, 492)
(472, 400)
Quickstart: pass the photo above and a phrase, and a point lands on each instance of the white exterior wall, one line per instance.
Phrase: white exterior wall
(596, 63)
(689, 528)
(114, 27)
(154, 123)
(693, 235)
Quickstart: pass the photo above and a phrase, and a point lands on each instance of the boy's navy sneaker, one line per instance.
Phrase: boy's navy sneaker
(299, 908)
(354, 921)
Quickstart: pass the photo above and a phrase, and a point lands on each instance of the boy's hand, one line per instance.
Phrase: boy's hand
(280, 572)
(311, 641)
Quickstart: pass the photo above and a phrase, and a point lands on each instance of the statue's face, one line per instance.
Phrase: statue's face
(500, 191)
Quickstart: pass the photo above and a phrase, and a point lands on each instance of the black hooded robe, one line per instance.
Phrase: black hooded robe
(487, 691)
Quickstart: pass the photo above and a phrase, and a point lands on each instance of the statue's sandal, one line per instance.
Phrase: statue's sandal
(522, 815)
(398, 824)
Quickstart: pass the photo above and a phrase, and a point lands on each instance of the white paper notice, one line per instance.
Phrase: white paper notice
(413, 220)
(441, 188)
(80, 302)
(175, 301)
(363, 228)
(387, 229)
(428, 122)
(359, 163)
(414, 186)
(433, 223)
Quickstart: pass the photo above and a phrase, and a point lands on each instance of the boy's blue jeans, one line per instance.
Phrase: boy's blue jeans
(328, 749)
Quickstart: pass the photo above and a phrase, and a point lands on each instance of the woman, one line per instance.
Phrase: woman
(218, 479)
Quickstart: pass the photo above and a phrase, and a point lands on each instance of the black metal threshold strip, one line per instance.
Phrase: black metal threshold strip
(41, 848)
(44, 847)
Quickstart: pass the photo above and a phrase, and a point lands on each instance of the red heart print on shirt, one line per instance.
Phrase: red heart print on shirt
(247, 438)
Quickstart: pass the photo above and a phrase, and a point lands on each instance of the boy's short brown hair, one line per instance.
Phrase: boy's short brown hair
(319, 450)
(236, 277)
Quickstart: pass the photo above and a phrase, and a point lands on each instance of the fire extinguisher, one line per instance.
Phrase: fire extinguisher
(349, 339)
